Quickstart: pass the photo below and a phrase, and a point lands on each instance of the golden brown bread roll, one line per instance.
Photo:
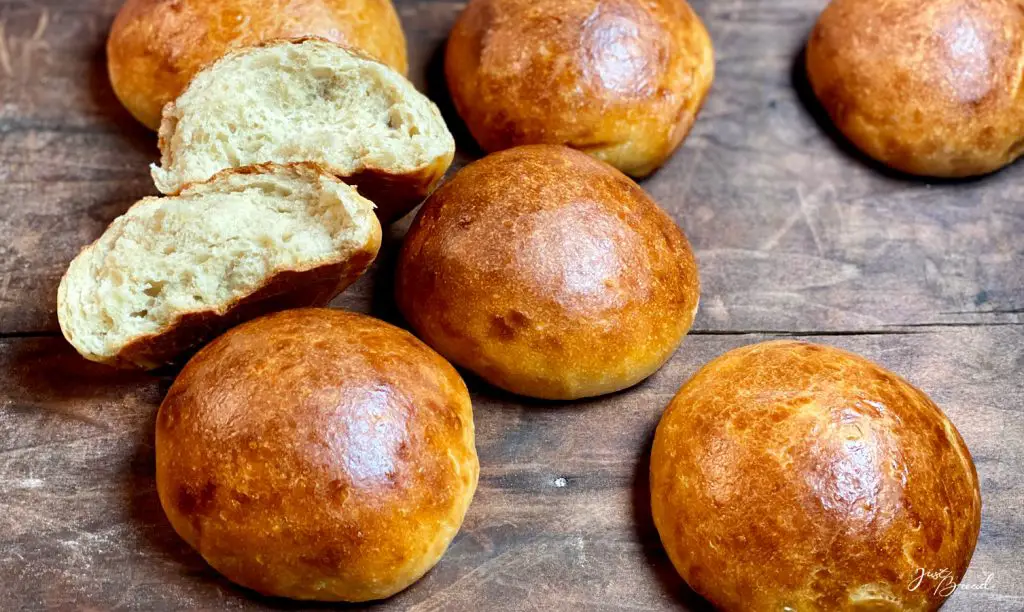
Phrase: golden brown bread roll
(928, 87)
(317, 454)
(622, 80)
(793, 476)
(549, 274)
(156, 46)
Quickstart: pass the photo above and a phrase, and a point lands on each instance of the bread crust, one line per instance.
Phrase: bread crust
(928, 87)
(394, 194)
(294, 288)
(622, 80)
(317, 454)
(156, 46)
(793, 474)
(549, 274)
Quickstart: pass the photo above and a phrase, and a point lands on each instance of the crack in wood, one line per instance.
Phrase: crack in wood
(889, 330)
(984, 312)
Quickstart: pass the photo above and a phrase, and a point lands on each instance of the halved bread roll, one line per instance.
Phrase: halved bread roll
(307, 100)
(173, 272)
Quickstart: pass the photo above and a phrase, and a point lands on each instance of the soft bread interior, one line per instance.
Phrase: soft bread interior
(206, 248)
(298, 101)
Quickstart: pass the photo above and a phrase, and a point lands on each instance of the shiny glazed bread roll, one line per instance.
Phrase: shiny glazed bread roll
(928, 87)
(317, 454)
(156, 46)
(793, 476)
(622, 80)
(549, 274)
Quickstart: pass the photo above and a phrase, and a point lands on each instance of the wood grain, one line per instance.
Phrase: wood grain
(560, 520)
(796, 235)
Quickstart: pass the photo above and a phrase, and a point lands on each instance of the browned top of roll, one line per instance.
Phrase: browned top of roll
(317, 454)
(156, 46)
(929, 87)
(620, 79)
(548, 273)
(793, 474)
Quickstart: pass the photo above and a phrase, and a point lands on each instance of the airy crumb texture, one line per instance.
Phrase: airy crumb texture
(207, 250)
(309, 100)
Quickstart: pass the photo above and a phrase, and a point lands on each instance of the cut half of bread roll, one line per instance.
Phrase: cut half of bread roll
(307, 100)
(173, 272)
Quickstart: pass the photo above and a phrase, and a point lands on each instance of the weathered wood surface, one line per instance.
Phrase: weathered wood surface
(795, 233)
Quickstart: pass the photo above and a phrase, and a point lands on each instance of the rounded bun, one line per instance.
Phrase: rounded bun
(317, 454)
(622, 80)
(928, 87)
(793, 476)
(549, 274)
(156, 46)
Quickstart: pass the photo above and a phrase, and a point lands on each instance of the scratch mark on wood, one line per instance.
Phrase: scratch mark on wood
(27, 47)
(485, 571)
(717, 310)
(25, 448)
(806, 334)
(984, 312)
(68, 412)
(684, 186)
(29, 483)
(805, 210)
(44, 20)
(963, 324)
(38, 519)
(5, 56)
(773, 240)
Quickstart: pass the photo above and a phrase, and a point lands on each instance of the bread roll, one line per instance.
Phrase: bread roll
(793, 476)
(549, 274)
(622, 80)
(156, 46)
(317, 454)
(308, 100)
(928, 87)
(173, 272)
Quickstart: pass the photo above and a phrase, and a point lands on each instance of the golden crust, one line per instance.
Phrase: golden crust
(317, 454)
(622, 80)
(397, 194)
(156, 46)
(286, 289)
(549, 274)
(799, 475)
(928, 87)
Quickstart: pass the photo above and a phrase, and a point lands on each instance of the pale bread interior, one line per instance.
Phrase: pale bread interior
(204, 249)
(298, 101)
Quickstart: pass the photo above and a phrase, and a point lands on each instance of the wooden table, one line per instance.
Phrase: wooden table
(796, 236)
